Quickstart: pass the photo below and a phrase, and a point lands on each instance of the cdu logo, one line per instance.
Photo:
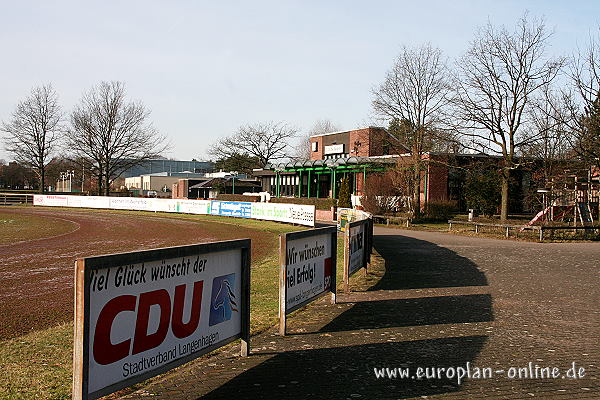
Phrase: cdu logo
(222, 300)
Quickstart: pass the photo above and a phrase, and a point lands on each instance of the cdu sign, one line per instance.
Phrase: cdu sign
(140, 314)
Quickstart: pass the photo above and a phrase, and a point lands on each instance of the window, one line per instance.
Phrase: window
(315, 146)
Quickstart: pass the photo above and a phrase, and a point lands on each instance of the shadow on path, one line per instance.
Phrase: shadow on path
(348, 372)
(415, 264)
(414, 312)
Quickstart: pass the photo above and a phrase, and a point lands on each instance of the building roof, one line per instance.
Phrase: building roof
(350, 130)
(211, 183)
(334, 162)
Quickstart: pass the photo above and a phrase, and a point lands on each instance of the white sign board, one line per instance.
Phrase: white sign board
(356, 251)
(192, 206)
(50, 200)
(333, 149)
(282, 212)
(140, 314)
(292, 213)
(307, 269)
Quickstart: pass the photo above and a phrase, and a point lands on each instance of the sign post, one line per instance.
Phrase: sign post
(307, 269)
(143, 313)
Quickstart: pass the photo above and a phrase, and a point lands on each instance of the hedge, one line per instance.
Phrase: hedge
(238, 197)
(320, 204)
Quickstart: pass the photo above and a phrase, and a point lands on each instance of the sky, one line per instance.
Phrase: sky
(206, 67)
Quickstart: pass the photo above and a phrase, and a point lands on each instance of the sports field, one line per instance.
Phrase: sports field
(36, 274)
(38, 248)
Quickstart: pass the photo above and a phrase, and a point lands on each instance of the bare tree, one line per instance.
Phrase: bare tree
(548, 116)
(497, 78)
(320, 127)
(32, 132)
(583, 101)
(414, 94)
(111, 134)
(265, 141)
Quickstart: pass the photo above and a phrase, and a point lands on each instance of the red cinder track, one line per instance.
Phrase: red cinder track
(36, 277)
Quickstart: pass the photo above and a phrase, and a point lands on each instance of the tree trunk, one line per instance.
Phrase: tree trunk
(417, 187)
(100, 184)
(504, 201)
(107, 184)
(42, 181)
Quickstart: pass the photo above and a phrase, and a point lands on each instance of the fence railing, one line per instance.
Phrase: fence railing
(15, 198)
(386, 219)
(519, 228)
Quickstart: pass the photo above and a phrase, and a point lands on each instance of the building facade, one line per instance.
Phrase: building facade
(169, 166)
(356, 154)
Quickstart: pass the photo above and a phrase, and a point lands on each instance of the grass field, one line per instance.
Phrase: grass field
(17, 227)
(38, 365)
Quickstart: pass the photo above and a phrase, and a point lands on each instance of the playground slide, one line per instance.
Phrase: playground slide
(537, 217)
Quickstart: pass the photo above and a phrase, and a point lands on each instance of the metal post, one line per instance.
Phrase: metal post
(245, 342)
(507, 228)
(233, 185)
(277, 182)
(318, 185)
(308, 189)
(364, 179)
(299, 183)
(334, 269)
(347, 258)
(282, 284)
(333, 184)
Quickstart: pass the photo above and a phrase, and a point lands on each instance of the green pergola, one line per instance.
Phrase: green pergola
(333, 168)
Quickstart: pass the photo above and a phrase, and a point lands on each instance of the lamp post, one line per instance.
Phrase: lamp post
(63, 176)
(70, 174)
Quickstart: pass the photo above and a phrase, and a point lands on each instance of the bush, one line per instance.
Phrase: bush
(380, 195)
(320, 204)
(482, 192)
(238, 197)
(438, 211)
(344, 196)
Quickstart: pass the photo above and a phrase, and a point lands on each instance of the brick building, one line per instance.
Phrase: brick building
(356, 154)
(350, 154)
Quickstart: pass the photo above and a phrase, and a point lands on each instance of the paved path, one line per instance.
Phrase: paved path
(442, 301)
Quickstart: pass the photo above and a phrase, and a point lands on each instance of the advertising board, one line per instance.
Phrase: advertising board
(192, 206)
(140, 314)
(307, 269)
(292, 213)
(231, 209)
(281, 212)
(50, 200)
(358, 239)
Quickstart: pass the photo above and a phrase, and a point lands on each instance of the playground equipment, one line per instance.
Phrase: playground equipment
(570, 198)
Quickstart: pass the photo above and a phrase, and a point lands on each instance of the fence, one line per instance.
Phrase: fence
(15, 198)
(587, 230)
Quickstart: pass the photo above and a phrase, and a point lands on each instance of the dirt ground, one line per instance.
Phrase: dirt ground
(36, 276)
